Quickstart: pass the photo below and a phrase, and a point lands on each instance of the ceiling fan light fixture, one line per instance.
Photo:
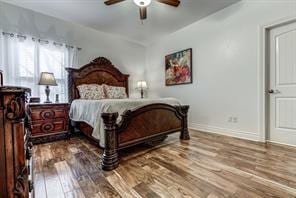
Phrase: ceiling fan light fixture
(142, 3)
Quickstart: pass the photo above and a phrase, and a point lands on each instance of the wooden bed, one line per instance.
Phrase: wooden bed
(150, 123)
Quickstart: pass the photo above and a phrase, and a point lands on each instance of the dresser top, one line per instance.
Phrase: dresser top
(48, 104)
(12, 89)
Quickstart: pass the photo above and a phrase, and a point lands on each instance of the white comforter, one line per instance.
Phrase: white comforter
(89, 111)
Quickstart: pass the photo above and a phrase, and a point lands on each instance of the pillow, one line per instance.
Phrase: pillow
(113, 92)
(91, 91)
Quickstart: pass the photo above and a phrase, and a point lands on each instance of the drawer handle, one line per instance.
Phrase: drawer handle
(29, 151)
(47, 127)
(47, 114)
(31, 185)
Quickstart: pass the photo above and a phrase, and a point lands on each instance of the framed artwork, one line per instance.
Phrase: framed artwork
(178, 68)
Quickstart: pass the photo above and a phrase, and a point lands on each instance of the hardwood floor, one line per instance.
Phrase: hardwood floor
(206, 166)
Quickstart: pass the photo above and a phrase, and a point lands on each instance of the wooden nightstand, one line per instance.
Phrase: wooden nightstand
(48, 122)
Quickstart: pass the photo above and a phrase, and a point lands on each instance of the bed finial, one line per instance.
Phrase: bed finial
(102, 61)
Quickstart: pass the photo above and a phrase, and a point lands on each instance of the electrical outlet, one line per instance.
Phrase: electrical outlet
(235, 119)
(230, 119)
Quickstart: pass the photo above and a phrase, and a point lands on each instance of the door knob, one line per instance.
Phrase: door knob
(272, 91)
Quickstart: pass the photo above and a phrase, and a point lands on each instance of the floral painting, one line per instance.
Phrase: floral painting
(178, 68)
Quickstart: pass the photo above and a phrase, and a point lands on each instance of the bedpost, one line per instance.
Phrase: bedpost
(1, 78)
(72, 126)
(110, 155)
(70, 85)
(184, 132)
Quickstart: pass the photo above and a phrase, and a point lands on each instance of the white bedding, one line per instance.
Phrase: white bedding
(89, 111)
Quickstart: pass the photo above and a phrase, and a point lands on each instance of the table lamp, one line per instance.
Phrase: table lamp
(142, 85)
(47, 78)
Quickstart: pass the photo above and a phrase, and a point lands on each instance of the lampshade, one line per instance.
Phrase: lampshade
(47, 78)
(142, 84)
(142, 3)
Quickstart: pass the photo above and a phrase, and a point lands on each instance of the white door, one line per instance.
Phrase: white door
(282, 86)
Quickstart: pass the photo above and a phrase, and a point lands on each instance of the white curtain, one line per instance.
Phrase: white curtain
(22, 60)
(71, 60)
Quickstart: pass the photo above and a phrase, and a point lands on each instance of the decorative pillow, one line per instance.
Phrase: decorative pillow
(91, 91)
(113, 92)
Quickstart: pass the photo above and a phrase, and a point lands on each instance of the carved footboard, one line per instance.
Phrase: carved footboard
(144, 124)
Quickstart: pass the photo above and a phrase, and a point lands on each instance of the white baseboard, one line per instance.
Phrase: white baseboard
(281, 144)
(228, 132)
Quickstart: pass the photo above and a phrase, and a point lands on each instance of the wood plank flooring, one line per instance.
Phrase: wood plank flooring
(206, 166)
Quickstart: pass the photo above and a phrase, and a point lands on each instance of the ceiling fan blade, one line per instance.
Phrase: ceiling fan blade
(174, 3)
(143, 13)
(111, 2)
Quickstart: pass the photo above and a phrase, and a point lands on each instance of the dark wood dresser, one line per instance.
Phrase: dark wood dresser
(15, 148)
(48, 121)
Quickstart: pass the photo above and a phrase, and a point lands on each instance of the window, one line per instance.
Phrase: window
(51, 59)
(22, 61)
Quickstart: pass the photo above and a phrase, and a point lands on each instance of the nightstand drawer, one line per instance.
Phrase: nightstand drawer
(43, 114)
(48, 122)
(50, 126)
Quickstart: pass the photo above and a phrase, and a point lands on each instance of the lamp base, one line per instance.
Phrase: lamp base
(142, 93)
(47, 91)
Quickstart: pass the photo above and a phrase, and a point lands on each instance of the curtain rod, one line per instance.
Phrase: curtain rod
(40, 40)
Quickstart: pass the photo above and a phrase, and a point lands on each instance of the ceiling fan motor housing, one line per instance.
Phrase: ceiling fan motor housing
(142, 3)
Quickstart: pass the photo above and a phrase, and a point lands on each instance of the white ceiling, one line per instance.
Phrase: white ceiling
(123, 18)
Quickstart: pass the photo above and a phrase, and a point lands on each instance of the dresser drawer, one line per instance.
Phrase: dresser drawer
(43, 114)
(50, 126)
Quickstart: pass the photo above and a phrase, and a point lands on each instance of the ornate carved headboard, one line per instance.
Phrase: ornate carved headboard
(99, 71)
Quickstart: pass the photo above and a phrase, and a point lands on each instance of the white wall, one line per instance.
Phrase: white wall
(128, 56)
(225, 66)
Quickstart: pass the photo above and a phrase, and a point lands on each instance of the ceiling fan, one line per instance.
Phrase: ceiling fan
(143, 4)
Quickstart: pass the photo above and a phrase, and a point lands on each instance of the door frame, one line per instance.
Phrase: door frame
(263, 75)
